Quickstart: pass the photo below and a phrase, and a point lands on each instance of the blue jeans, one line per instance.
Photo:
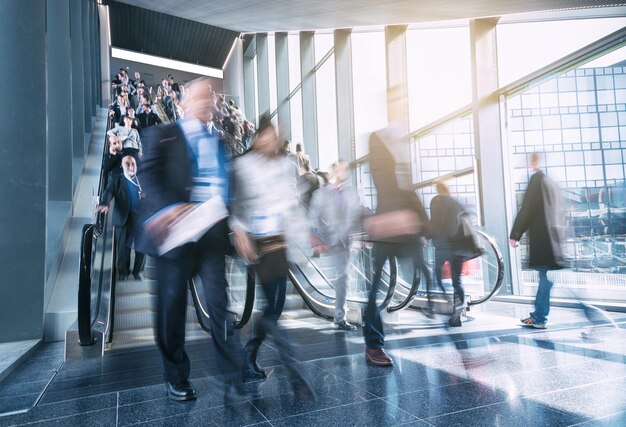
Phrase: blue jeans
(542, 300)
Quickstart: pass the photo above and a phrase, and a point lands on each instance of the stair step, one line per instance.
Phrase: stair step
(145, 336)
(297, 314)
(135, 287)
(144, 319)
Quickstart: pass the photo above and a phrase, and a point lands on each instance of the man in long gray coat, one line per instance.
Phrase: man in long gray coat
(541, 215)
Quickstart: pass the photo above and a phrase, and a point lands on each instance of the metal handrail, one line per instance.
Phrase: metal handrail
(85, 317)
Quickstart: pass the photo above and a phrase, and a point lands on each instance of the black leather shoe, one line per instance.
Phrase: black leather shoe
(455, 321)
(138, 276)
(253, 371)
(180, 392)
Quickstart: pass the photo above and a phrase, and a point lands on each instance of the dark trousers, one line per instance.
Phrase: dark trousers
(205, 259)
(373, 325)
(123, 244)
(456, 264)
(271, 270)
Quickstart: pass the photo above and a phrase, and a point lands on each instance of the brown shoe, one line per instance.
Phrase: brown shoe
(378, 357)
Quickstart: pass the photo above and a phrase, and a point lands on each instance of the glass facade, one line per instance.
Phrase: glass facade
(369, 80)
(577, 119)
(437, 87)
(295, 102)
(517, 43)
(577, 122)
(326, 115)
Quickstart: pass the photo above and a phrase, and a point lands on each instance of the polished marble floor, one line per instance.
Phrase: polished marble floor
(489, 372)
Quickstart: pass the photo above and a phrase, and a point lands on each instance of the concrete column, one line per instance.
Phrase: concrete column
(398, 101)
(282, 84)
(23, 164)
(95, 68)
(309, 101)
(487, 133)
(263, 73)
(78, 89)
(248, 81)
(103, 53)
(59, 51)
(345, 95)
(233, 72)
(86, 32)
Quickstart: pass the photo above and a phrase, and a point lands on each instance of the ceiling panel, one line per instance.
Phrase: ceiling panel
(165, 35)
(285, 15)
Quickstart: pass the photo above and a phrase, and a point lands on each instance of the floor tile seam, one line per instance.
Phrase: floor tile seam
(465, 382)
(536, 370)
(316, 389)
(455, 350)
(575, 387)
(599, 418)
(403, 410)
(35, 394)
(57, 402)
(360, 388)
(63, 416)
(260, 412)
(73, 379)
(190, 413)
(463, 363)
(340, 406)
(499, 402)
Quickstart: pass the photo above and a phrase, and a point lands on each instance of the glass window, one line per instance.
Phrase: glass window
(441, 151)
(295, 75)
(588, 168)
(439, 73)
(326, 114)
(323, 43)
(369, 79)
(295, 107)
(518, 55)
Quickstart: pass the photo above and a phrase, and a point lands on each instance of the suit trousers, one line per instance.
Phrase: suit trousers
(373, 331)
(205, 259)
(456, 264)
(123, 243)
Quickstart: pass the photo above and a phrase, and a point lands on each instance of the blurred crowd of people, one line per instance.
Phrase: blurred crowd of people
(271, 206)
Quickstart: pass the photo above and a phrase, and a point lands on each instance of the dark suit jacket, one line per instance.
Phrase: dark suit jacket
(165, 172)
(146, 120)
(118, 189)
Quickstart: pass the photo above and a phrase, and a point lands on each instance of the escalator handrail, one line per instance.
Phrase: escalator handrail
(500, 278)
(308, 298)
(85, 317)
(410, 296)
(202, 313)
(85, 335)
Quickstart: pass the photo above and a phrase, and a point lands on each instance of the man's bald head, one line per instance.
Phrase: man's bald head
(198, 101)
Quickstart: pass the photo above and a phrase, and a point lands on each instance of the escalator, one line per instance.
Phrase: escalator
(400, 288)
(116, 315)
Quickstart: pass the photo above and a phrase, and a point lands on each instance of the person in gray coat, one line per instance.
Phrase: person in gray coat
(541, 215)
(335, 213)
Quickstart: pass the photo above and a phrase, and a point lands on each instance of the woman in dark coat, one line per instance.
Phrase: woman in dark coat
(541, 216)
(444, 227)
(390, 198)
